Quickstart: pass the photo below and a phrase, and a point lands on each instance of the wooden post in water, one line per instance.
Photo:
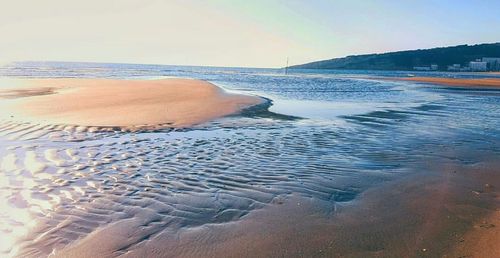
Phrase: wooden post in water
(286, 67)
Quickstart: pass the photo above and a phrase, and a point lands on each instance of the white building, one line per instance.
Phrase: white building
(493, 63)
(478, 66)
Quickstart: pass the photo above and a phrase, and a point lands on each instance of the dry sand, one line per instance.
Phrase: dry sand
(120, 103)
(476, 83)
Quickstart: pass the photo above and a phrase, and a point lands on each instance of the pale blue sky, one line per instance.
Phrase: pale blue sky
(254, 33)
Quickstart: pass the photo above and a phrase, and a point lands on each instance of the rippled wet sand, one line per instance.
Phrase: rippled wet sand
(68, 181)
(430, 213)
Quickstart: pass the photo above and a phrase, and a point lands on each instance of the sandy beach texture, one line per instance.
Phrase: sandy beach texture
(449, 211)
(120, 103)
(476, 83)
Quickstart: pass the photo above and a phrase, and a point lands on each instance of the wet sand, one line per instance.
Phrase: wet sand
(120, 103)
(450, 215)
(444, 210)
(475, 83)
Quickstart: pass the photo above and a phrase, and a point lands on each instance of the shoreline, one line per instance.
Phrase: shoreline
(127, 104)
(486, 83)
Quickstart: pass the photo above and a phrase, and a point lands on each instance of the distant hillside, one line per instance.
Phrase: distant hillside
(406, 60)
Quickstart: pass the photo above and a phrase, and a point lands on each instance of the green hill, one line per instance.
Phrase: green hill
(406, 60)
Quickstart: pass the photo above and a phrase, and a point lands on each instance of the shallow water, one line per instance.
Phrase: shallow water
(328, 135)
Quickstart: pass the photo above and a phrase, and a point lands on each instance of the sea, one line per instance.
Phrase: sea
(327, 134)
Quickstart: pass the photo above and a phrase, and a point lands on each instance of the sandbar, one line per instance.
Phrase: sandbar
(458, 82)
(120, 103)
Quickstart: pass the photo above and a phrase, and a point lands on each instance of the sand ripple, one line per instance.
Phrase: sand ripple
(69, 181)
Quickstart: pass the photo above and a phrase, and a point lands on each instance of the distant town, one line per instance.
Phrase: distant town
(479, 65)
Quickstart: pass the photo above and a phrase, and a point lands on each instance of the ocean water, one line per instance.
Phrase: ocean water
(328, 135)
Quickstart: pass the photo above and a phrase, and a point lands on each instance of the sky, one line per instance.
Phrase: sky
(241, 33)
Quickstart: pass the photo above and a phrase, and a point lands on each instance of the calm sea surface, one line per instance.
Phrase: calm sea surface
(328, 135)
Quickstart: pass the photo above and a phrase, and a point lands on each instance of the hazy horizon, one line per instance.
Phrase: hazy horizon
(235, 33)
(194, 65)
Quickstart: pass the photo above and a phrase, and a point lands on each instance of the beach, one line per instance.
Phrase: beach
(104, 164)
(451, 211)
(252, 129)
